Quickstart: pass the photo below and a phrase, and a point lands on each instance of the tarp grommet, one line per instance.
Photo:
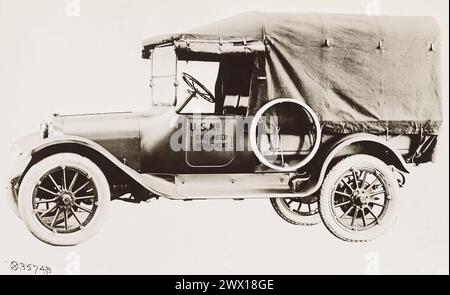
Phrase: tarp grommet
(431, 47)
(380, 45)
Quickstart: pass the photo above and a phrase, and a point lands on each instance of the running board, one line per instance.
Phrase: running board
(222, 186)
(233, 186)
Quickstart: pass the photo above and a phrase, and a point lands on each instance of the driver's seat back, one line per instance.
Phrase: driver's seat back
(229, 104)
(242, 107)
(235, 105)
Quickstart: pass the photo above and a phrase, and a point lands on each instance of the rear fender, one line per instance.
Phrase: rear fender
(369, 142)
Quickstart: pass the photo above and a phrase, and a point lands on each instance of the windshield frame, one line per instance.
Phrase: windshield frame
(153, 76)
(172, 100)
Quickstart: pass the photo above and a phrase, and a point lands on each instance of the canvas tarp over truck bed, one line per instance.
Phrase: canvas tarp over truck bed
(358, 73)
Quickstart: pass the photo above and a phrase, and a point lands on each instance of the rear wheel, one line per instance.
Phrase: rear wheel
(298, 211)
(358, 200)
(63, 199)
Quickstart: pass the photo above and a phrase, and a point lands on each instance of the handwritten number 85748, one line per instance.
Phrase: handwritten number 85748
(30, 267)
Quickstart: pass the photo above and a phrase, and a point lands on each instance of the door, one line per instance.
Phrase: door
(210, 140)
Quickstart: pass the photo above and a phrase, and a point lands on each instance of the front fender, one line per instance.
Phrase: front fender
(12, 185)
(153, 184)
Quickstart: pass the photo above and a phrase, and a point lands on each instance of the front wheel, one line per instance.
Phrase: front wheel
(358, 200)
(63, 199)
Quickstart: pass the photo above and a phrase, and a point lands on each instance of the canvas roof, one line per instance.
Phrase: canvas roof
(378, 74)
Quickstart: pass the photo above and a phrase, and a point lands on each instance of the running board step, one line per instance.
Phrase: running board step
(233, 186)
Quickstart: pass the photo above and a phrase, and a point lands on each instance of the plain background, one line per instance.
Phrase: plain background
(52, 62)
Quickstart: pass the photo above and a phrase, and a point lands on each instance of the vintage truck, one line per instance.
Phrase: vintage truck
(322, 114)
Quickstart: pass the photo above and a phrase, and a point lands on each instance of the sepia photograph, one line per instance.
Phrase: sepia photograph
(289, 137)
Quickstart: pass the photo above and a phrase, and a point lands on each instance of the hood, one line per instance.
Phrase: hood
(97, 126)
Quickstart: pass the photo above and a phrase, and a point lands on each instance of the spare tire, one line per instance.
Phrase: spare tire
(285, 134)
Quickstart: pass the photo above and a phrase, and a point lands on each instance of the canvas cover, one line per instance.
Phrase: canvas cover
(376, 74)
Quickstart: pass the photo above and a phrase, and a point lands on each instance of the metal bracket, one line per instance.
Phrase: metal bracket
(401, 179)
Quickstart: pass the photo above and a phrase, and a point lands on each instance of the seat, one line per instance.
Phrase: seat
(230, 103)
(242, 107)
(235, 105)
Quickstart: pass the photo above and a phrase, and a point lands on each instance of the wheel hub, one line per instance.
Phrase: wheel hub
(360, 198)
(66, 199)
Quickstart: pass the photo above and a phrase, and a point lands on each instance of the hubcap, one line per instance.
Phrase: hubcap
(360, 198)
(65, 199)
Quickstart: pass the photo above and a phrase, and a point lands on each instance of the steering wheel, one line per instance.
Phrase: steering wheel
(197, 88)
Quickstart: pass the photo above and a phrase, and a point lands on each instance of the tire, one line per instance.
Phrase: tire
(12, 202)
(294, 216)
(76, 175)
(346, 209)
